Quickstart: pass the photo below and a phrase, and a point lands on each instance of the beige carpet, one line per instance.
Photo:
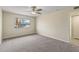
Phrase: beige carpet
(75, 42)
(36, 43)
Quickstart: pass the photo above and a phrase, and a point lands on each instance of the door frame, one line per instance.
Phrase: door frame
(71, 26)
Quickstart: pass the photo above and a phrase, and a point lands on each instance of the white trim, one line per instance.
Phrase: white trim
(53, 37)
(74, 14)
(0, 26)
(70, 27)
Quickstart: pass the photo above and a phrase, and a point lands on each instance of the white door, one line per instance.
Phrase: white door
(75, 27)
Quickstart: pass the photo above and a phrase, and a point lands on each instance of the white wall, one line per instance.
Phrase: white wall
(0, 26)
(9, 23)
(55, 25)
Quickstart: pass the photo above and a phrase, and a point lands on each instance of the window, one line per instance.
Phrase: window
(22, 23)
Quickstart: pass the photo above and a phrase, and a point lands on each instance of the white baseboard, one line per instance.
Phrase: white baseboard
(54, 37)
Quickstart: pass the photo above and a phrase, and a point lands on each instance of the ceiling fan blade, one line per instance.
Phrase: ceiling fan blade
(77, 7)
(39, 10)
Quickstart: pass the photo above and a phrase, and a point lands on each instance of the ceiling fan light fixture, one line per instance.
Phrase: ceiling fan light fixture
(34, 13)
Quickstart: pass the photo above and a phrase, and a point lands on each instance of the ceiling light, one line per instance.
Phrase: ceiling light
(34, 13)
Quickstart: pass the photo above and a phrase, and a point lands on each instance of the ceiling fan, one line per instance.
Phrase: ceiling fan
(35, 10)
(76, 7)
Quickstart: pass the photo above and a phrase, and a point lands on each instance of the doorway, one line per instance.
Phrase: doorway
(75, 30)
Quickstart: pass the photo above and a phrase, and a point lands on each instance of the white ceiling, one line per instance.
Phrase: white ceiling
(23, 9)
